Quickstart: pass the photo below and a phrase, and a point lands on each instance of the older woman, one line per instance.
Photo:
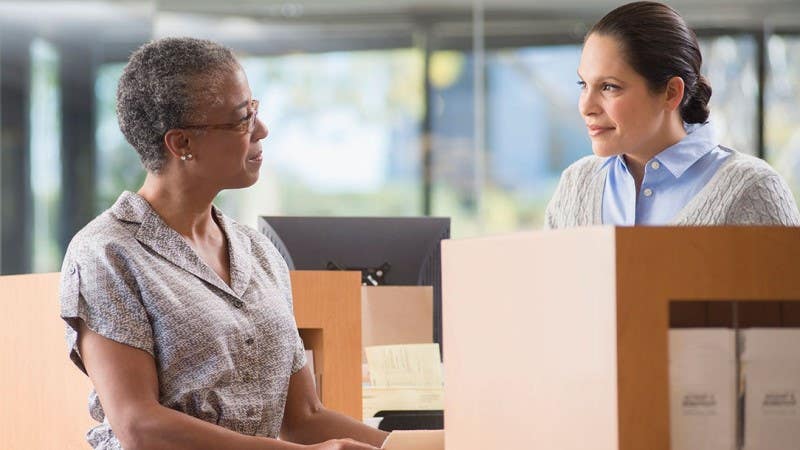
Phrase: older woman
(181, 317)
(655, 159)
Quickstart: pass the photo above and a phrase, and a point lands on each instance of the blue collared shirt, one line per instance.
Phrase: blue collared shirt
(671, 179)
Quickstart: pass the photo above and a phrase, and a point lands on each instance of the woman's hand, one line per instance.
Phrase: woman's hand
(342, 444)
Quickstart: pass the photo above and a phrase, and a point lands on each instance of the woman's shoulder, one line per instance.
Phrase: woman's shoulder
(579, 189)
(743, 161)
(112, 230)
(584, 166)
(746, 191)
(743, 169)
(582, 174)
(100, 236)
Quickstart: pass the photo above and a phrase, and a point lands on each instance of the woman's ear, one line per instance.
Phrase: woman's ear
(177, 143)
(674, 93)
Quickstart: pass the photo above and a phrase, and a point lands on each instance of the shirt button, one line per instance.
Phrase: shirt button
(238, 304)
(655, 165)
(249, 341)
(72, 268)
(648, 192)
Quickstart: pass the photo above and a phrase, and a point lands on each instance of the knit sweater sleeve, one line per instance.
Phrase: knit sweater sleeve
(765, 201)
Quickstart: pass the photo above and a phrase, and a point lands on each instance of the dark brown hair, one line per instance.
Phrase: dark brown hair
(658, 44)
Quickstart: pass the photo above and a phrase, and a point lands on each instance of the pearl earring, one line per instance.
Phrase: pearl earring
(186, 157)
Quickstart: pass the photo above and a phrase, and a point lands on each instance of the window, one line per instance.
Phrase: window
(782, 97)
(533, 132)
(118, 166)
(729, 63)
(343, 143)
(45, 147)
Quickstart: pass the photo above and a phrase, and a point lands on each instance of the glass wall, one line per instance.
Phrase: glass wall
(346, 143)
(45, 148)
(118, 165)
(353, 99)
(782, 124)
(533, 132)
(730, 64)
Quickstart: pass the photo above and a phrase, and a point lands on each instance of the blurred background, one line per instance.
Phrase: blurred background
(460, 108)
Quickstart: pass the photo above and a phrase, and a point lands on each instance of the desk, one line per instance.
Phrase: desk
(44, 396)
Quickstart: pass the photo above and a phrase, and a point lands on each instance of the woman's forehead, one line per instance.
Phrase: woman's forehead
(602, 57)
(226, 93)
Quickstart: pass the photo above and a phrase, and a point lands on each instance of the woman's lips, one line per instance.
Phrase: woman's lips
(595, 130)
(257, 158)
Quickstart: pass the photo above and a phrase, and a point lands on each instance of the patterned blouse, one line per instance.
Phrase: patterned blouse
(224, 354)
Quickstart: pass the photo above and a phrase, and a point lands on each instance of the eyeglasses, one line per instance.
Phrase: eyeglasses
(246, 125)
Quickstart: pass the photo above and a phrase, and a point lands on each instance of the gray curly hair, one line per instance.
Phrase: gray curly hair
(161, 87)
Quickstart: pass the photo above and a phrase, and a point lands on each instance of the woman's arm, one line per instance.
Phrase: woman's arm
(126, 381)
(307, 421)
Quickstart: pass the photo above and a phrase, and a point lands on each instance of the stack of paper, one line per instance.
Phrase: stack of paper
(403, 377)
(771, 376)
(702, 369)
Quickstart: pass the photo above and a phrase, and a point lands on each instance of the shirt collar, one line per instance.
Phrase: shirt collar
(679, 157)
(162, 239)
(611, 159)
(130, 207)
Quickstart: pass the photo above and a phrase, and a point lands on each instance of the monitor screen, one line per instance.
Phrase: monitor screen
(392, 251)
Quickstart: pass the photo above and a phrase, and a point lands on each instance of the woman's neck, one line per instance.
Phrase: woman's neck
(184, 209)
(637, 161)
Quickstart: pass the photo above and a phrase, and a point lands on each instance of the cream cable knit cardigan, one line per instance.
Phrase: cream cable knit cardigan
(744, 191)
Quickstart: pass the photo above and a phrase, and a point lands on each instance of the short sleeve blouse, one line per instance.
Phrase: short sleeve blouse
(224, 354)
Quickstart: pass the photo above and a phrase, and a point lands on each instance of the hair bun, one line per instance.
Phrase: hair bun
(696, 108)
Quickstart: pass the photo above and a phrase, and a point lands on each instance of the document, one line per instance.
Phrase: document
(415, 440)
(415, 365)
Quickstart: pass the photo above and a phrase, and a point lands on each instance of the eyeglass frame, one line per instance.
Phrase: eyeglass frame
(250, 120)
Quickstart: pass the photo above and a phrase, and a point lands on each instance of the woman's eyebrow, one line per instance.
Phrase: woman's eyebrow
(244, 104)
(604, 77)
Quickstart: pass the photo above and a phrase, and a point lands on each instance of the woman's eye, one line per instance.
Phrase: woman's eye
(610, 87)
(581, 84)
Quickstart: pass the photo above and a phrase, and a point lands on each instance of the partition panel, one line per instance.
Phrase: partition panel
(559, 339)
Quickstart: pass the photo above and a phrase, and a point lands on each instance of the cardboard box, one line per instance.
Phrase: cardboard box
(771, 377)
(392, 315)
(702, 370)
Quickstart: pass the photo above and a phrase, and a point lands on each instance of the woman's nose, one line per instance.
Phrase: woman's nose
(587, 103)
(260, 131)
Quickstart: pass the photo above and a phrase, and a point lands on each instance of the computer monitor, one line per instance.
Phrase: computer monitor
(393, 251)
